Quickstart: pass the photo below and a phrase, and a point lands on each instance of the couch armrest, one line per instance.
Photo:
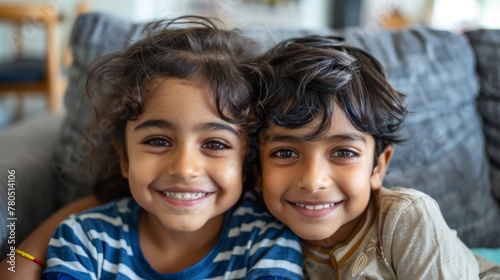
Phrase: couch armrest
(27, 149)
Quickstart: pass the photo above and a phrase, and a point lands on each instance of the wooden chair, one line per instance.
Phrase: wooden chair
(20, 74)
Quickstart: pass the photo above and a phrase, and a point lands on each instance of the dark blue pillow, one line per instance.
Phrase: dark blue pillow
(22, 70)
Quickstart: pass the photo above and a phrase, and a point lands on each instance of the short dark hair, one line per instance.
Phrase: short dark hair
(188, 47)
(307, 75)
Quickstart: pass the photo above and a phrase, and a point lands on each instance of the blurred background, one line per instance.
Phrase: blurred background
(453, 15)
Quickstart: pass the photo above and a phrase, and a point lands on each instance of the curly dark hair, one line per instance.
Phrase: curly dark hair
(307, 75)
(188, 47)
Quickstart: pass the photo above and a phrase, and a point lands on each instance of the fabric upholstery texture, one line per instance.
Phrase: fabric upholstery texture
(27, 149)
(448, 155)
(443, 154)
(486, 46)
(93, 36)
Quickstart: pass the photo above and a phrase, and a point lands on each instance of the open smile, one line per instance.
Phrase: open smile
(315, 206)
(183, 195)
(315, 210)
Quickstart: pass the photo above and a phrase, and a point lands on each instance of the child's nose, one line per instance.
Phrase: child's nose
(315, 175)
(185, 163)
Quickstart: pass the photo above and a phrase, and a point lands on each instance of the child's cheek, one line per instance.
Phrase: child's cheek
(275, 181)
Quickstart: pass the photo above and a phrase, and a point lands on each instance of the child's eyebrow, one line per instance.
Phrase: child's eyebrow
(214, 126)
(209, 126)
(348, 137)
(155, 124)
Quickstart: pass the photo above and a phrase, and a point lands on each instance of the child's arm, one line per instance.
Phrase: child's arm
(424, 247)
(36, 243)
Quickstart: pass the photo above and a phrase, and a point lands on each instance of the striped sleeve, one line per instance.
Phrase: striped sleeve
(72, 253)
(92, 245)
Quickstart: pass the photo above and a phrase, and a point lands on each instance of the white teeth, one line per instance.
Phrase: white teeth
(315, 207)
(183, 195)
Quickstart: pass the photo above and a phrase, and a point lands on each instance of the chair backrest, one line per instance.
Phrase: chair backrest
(42, 13)
(34, 16)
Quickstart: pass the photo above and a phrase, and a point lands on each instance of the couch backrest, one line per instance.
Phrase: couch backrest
(93, 36)
(486, 46)
(445, 153)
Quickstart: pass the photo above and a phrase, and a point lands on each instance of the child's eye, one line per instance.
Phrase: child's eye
(157, 142)
(284, 153)
(216, 145)
(345, 153)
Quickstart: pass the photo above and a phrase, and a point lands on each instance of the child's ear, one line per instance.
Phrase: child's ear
(380, 169)
(120, 150)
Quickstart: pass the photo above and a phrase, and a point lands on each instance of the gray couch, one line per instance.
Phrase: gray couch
(452, 153)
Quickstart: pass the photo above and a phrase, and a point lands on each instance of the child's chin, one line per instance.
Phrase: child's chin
(310, 235)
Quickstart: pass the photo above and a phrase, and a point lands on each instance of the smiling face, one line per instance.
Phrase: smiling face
(321, 187)
(183, 161)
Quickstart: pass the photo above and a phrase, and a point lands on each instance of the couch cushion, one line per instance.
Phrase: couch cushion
(444, 155)
(94, 35)
(486, 45)
(27, 147)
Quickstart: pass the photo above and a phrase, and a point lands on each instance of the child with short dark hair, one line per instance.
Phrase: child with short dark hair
(178, 101)
(329, 122)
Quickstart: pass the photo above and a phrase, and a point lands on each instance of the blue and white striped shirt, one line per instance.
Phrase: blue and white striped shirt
(103, 243)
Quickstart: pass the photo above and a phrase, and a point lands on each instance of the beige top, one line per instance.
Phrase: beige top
(402, 236)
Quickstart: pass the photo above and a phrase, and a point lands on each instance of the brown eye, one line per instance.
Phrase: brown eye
(284, 153)
(345, 153)
(157, 142)
(216, 145)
